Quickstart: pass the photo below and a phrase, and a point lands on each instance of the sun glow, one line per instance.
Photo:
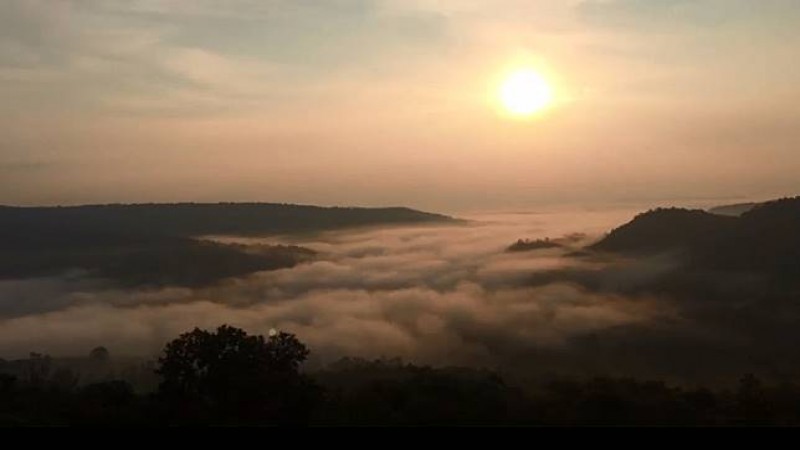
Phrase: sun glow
(525, 92)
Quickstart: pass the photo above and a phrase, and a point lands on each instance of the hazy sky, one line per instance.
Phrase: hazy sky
(384, 102)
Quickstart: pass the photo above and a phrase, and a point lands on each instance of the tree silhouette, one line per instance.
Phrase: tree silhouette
(229, 377)
(100, 354)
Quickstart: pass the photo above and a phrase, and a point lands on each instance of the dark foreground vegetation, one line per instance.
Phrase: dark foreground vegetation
(229, 378)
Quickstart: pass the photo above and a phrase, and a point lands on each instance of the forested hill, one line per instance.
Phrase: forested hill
(765, 239)
(196, 219)
(665, 229)
(154, 244)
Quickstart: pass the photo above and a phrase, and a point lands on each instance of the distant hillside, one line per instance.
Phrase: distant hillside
(197, 219)
(160, 262)
(764, 240)
(664, 229)
(154, 244)
(735, 210)
(766, 237)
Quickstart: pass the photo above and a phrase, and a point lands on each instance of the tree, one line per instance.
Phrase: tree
(230, 377)
(99, 355)
(37, 369)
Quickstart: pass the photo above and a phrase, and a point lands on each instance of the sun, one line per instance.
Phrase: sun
(525, 92)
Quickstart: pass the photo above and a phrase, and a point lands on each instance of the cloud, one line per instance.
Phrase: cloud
(195, 57)
(463, 325)
(660, 15)
(447, 295)
(34, 32)
(24, 166)
(442, 295)
(308, 33)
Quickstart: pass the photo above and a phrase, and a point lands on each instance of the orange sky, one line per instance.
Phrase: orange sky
(385, 102)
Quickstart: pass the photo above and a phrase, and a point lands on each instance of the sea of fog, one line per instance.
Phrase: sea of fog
(434, 294)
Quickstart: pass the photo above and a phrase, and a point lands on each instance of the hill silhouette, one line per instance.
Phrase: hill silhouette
(197, 219)
(664, 229)
(764, 240)
(156, 244)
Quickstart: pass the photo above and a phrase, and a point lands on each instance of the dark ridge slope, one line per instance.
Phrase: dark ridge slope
(196, 219)
(765, 240)
(664, 229)
(154, 244)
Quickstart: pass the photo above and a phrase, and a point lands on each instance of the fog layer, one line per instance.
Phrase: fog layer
(444, 295)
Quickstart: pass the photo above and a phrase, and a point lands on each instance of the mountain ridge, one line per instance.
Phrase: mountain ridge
(764, 240)
(157, 243)
(197, 219)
